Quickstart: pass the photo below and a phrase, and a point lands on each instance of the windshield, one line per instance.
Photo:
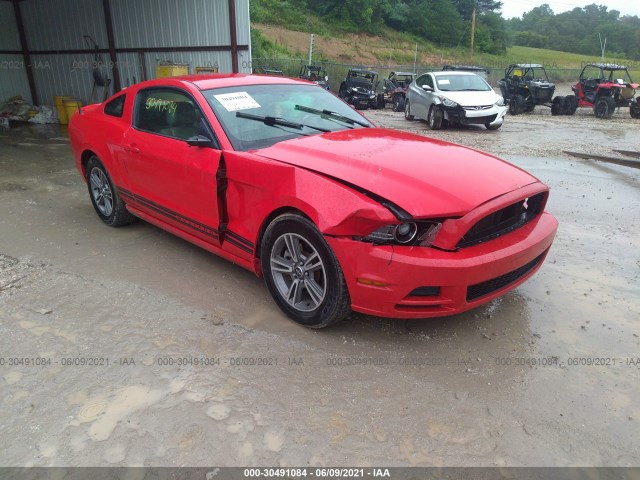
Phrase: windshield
(258, 116)
(462, 83)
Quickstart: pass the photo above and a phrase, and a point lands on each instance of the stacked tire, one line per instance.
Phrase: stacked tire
(564, 105)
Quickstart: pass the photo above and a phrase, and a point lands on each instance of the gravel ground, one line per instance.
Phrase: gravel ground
(96, 324)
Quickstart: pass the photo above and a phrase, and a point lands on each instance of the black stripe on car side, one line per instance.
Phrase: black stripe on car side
(240, 239)
(232, 237)
(237, 244)
(195, 225)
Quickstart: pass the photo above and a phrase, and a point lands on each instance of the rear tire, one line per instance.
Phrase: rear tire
(570, 104)
(517, 105)
(557, 106)
(104, 196)
(302, 273)
(604, 107)
(398, 103)
(634, 110)
(436, 116)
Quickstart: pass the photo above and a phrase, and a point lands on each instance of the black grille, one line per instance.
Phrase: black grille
(425, 292)
(485, 288)
(503, 221)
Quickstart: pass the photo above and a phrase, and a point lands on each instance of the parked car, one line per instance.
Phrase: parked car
(395, 89)
(284, 179)
(316, 74)
(603, 87)
(360, 89)
(524, 86)
(455, 98)
(480, 71)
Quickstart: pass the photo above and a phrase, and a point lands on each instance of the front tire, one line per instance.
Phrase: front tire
(634, 110)
(517, 105)
(302, 273)
(104, 197)
(435, 117)
(407, 111)
(604, 107)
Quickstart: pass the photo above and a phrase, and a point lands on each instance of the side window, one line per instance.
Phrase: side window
(116, 106)
(428, 80)
(167, 112)
(422, 80)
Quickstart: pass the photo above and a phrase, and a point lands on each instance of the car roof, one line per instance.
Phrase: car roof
(448, 73)
(205, 82)
(363, 70)
(607, 66)
(469, 68)
(526, 65)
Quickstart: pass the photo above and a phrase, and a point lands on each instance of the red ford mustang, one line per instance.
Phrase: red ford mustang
(286, 180)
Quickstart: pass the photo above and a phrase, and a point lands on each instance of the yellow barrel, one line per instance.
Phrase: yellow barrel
(71, 106)
(58, 101)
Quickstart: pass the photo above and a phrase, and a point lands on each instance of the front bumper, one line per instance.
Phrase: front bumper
(492, 115)
(455, 281)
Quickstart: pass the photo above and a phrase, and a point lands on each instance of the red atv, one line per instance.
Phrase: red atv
(603, 87)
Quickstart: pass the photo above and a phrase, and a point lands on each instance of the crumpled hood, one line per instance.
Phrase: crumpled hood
(423, 176)
(472, 99)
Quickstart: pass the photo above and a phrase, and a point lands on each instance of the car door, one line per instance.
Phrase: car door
(425, 98)
(170, 179)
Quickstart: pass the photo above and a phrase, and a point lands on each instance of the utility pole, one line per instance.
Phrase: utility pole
(310, 49)
(415, 59)
(473, 33)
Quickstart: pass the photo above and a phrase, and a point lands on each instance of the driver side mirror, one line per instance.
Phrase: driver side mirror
(427, 88)
(199, 141)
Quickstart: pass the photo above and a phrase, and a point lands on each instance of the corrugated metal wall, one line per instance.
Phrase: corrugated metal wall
(13, 74)
(141, 24)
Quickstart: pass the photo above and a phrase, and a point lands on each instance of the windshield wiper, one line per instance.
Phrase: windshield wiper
(278, 122)
(334, 115)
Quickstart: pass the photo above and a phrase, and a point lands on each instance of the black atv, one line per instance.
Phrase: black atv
(315, 73)
(524, 86)
(360, 89)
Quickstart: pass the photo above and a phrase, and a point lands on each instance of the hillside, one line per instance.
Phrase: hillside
(389, 50)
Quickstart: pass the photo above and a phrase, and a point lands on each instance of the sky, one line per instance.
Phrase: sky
(515, 8)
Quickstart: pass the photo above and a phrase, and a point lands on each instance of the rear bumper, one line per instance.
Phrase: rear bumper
(460, 280)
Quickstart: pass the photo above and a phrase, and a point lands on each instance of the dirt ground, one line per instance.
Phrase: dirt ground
(131, 347)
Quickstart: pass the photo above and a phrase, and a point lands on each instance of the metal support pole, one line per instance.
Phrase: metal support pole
(25, 53)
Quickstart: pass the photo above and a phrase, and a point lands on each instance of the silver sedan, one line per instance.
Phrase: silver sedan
(455, 98)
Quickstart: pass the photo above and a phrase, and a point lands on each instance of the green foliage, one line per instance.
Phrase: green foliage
(578, 31)
(445, 23)
(262, 47)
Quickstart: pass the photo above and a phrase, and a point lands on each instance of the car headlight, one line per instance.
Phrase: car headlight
(500, 102)
(408, 233)
(447, 103)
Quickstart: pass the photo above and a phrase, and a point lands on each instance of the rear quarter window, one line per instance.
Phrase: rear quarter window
(115, 107)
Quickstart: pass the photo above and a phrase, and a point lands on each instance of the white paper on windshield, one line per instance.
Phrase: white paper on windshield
(237, 101)
(443, 82)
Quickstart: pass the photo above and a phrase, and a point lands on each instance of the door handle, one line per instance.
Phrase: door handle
(131, 148)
